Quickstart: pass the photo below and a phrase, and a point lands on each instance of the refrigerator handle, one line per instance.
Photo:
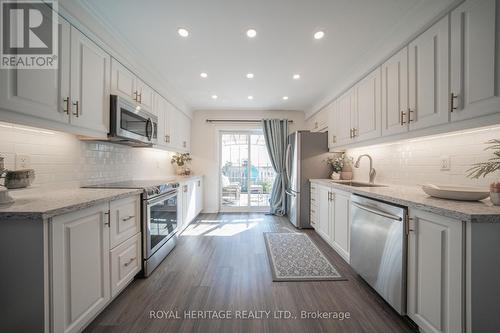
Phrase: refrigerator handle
(287, 163)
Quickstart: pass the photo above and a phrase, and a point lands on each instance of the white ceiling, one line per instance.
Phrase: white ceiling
(217, 44)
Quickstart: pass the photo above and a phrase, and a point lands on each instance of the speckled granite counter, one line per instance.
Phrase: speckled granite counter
(36, 203)
(413, 197)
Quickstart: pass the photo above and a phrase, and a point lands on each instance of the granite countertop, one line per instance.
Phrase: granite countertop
(414, 197)
(37, 203)
(182, 179)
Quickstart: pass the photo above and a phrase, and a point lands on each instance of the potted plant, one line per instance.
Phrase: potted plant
(338, 163)
(181, 161)
(485, 168)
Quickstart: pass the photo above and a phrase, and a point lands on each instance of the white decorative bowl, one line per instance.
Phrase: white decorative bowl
(463, 193)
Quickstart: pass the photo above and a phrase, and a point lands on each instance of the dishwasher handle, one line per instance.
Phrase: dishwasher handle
(377, 212)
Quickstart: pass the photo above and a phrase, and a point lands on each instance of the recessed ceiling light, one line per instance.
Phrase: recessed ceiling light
(215, 96)
(296, 76)
(250, 76)
(250, 97)
(204, 75)
(183, 32)
(285, 98)
(319, 34)
(251, 33)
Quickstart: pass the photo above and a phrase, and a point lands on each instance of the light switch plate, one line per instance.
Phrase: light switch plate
(445, 163)
(23, 161)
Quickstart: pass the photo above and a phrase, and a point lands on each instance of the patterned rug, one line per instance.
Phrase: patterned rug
(294, 257)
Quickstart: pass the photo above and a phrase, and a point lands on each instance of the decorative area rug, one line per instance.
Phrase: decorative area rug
(294, 257)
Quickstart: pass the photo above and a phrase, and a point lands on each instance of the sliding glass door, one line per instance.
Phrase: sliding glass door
(246, 173)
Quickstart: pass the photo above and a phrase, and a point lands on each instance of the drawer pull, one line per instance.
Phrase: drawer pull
(129, 262)
(128, 218)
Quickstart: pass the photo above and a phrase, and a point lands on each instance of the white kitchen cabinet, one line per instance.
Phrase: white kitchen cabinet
(184, 132)
(125, 217)
(122, 81)
(366, 117)
(146, 95)
(428, 77)
(80, 267)
(435, 272)
(191, 201)
(40, 93)
(198, 196)
(323, 214)
(331, 113)
(313, 210)
(125, 262)
(341, 223)
(474, 59)
(395, 94)
(345, 118)
(90, 82)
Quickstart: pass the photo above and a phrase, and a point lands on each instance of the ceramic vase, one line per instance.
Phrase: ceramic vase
(495, 193)
(335, 176)
(346, 173)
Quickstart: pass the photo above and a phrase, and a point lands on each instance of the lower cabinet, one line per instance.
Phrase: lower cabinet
(191, 201)
(332, 219)
(313, 217)
(435, 272)
(86, 273)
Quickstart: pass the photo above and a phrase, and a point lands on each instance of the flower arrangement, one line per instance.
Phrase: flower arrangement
(338, 162)
(181, 159)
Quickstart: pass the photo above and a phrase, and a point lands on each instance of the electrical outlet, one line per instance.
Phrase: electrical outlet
(445, 163)
(23, 162)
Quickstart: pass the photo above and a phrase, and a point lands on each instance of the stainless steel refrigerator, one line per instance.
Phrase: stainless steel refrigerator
(305, 159)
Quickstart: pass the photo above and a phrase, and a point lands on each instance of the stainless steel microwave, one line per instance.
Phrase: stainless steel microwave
(130, 124)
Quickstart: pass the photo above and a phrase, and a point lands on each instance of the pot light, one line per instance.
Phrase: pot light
(204, 75)
(250, 97)
(215, 96)
(183, 32)
(319, 34)
(250, 76)
(251, 33)
(285, 98)
(296, 76)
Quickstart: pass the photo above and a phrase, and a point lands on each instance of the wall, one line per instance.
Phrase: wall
(61, 159)
(204, 141)
(418, 161)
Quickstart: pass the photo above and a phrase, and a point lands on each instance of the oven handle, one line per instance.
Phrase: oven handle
(162, 197)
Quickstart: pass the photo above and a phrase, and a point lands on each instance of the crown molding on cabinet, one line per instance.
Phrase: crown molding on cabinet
(374, 58)
(82, 16)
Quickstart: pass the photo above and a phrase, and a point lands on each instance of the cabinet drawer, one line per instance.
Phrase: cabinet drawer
(125, 263)
(125, 217)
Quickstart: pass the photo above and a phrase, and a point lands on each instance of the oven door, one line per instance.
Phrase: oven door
(161, 222)
(130, 122)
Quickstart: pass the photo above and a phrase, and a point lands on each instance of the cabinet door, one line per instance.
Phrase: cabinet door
(428, 77)
(344, 112)
(80, 283)
(367, 116)
(90, 84)
(191, 202)
(187, 133)
(323, 228)
(473, 59)
(435, 267)
(395, 94)
(146, 95)
(122, 81)
(42, 93)
(199, 196)
(126, 261)
(341, 224)
(125, 217)
(330, 111)
(314, 206)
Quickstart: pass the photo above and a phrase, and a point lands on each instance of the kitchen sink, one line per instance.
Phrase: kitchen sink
(356, 184)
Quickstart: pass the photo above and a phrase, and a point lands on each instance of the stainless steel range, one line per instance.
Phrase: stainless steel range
(159, 218)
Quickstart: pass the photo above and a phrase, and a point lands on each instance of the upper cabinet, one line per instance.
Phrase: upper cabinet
(40, 93)
(124, 83)
(474, 35)
(344, 118)
(395, 94)
(174, 127)
(366, 120)
(90, 75)
(428, 77)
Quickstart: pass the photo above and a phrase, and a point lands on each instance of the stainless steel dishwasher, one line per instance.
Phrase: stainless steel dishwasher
(378, 248)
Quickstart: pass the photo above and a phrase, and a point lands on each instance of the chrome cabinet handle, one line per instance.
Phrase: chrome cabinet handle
(402, 118)
(128, 218)
(77, 105)
(410, 112)
(452, 99)
(140, 97)
(66, 100)
(377, 212)
(350, 133)
(108, 219)
(167, 138)
(129, 262)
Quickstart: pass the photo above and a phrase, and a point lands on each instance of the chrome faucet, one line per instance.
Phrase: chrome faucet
(372, 170)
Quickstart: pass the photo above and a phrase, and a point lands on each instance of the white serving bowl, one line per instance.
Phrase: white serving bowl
(463, 193)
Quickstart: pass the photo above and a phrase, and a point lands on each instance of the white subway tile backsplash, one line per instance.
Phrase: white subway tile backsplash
(418, 161)
(62, 159)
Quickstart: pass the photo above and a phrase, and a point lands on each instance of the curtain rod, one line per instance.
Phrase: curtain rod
(236, 121)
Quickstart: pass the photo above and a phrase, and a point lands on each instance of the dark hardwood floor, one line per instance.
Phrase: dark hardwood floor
(220, 264)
